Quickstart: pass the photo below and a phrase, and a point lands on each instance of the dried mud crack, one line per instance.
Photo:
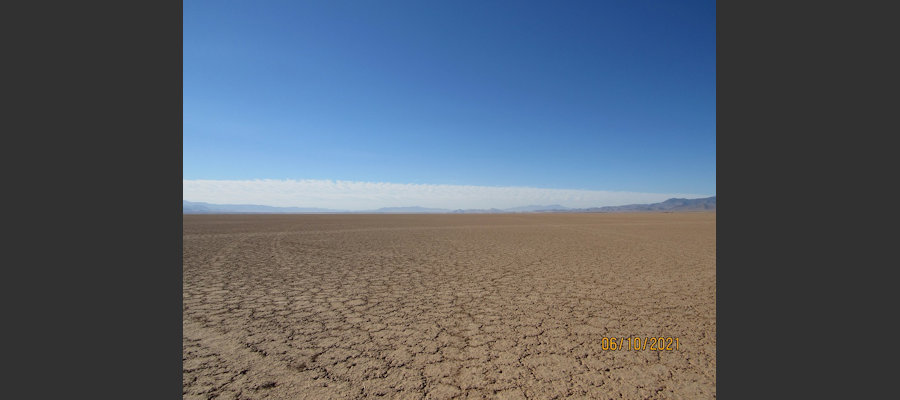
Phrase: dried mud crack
(447, 306)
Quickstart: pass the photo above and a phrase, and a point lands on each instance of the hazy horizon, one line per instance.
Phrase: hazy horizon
(361, 196)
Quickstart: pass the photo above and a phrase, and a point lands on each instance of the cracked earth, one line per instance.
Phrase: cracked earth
(508, 306)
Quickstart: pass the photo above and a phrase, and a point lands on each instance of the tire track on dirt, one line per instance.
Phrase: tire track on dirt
(218, 259)
(355, 230)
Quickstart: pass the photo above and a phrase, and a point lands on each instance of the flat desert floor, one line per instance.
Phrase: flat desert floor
(512, 306)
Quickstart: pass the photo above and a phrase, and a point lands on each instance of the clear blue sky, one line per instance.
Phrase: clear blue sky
(597, 95)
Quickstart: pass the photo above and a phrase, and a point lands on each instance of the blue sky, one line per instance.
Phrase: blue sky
(597, 96)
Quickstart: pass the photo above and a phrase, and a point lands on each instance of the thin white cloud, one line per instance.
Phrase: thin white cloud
(352, 195)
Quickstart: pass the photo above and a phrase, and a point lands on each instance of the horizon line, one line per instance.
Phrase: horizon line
(362, 196)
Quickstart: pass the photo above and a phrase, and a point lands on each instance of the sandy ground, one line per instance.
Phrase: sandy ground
(448, 306)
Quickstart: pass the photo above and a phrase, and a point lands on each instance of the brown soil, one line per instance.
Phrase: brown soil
(448, 306)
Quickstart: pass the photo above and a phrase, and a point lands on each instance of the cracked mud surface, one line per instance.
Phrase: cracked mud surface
(447, 306)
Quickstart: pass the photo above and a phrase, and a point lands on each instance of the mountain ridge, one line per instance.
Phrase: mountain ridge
(670, 205)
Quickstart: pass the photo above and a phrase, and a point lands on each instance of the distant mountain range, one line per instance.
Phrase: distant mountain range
(705, 204)
(189, 207)
(408, 210)
(670, 205)
(552, 207)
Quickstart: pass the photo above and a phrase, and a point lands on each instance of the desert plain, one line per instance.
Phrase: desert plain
(470, 306)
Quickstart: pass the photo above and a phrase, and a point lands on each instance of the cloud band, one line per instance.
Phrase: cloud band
(353, 195)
